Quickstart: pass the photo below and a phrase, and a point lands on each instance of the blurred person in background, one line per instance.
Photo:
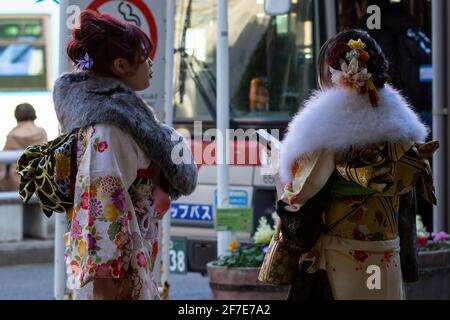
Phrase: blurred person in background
(25, 134)
(407, 48)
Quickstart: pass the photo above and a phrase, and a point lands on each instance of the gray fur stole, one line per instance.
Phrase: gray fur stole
(82, 99)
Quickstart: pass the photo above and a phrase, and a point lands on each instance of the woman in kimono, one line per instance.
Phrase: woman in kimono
(127, 172)
(354, 156)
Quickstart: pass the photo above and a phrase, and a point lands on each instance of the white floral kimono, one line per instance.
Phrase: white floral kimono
(113, 225)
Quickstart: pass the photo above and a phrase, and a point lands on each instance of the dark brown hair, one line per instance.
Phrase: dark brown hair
(105, 39)
(377, 65)
(25, 112)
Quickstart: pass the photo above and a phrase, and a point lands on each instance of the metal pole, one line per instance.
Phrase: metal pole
(59, 287)
(170, 30)
(223, 119)
(445, 219)
(439, 111)
(330, 16)
(168, 119)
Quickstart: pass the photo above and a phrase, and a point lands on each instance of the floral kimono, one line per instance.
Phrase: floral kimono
(113, 225)
(368, 159)
(122, 148)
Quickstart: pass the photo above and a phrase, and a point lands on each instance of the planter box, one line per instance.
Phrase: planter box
(241, 284)
(434, 277)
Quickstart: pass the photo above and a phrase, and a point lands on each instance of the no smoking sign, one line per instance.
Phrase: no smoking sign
(150, 16)
(133, 11)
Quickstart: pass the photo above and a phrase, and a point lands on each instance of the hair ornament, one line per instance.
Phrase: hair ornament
(348, 67)
(85, 63)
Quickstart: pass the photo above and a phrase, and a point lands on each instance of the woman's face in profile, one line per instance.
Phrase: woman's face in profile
(137, 77)
(143, 75)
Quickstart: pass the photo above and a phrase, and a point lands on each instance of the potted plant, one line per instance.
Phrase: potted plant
(234, 275)
(434, 265)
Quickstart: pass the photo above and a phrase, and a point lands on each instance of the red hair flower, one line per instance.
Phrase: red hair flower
(337, 53)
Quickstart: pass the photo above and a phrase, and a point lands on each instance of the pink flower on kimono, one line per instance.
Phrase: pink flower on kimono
(117, 267)
(84, 200)
(360, 256)
(91, 267)
(91, 219)
(75, 267)
(75, 229)
(103, 271)
(118, 198)
(388, 255)
(141, 260)
(102, 146)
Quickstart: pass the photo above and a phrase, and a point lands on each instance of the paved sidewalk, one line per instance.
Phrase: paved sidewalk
(35, 282)
(26, 273)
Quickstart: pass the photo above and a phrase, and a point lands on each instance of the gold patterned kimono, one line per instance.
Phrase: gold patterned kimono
(360, 249)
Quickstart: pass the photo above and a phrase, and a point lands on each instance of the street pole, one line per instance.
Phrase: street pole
(59, 284)
(168, 119)
(330, 16)
(223, 119)
(445, 26)
(440, 110)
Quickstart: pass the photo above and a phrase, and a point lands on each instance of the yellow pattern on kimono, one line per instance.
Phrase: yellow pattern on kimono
(368, 185)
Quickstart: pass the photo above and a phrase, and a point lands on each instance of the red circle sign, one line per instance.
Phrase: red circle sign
(145, 11)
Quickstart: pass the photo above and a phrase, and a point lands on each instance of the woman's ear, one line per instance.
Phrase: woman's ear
(120, 67)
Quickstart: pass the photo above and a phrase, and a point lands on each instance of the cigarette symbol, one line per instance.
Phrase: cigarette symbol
(126, 10)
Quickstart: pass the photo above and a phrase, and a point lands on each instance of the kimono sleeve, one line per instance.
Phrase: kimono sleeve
(304, 200)
(310, 174)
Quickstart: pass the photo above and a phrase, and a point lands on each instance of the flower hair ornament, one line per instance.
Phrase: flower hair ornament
(348, 67)
(84, 63)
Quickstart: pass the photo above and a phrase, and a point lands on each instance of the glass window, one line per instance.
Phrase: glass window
(23, 53)
(271, 59)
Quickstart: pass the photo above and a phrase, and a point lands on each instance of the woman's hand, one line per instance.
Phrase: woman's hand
(162, 201)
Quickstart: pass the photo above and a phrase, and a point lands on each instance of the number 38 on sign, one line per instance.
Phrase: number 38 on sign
(178, 257)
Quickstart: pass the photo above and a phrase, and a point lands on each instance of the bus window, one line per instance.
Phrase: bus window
(23, 53)
(271, 59)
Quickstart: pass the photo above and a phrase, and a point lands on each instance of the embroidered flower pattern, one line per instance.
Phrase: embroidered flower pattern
(100, 146)
(118, 198)
(360, 256)
(141, 260)
(95, 206)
